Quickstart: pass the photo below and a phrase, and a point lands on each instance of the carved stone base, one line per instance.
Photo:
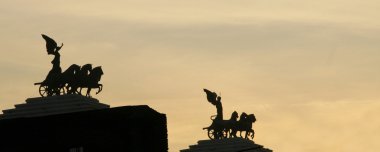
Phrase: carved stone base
(43, 106)
(226, 145)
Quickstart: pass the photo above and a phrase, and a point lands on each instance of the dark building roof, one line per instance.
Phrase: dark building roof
(127, 128)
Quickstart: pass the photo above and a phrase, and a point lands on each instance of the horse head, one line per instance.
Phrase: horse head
(74, 68)
(98, 70)
(243, 116)
(85, 68)
(96, 73)
(234, 116)
(251, 118)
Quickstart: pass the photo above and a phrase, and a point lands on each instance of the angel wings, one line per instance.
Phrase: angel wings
(51, 45)
(212, 97)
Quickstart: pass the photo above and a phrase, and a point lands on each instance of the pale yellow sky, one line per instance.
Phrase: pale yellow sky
(309, 70)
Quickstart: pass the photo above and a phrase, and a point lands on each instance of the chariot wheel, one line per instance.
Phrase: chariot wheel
(43, 90)
(210, 133)
(217, 135)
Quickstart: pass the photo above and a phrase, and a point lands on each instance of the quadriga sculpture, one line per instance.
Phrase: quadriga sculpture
(220, 128)
(72, 80)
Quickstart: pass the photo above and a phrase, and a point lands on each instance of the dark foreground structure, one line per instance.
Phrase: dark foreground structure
(120, 129)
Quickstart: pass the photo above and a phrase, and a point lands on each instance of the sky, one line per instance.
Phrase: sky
(308, 70)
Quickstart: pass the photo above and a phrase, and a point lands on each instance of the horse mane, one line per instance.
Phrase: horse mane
(86, 67)
(97, 70)
(72, 69)
(243, 116)
(251, 118)
(234, 115)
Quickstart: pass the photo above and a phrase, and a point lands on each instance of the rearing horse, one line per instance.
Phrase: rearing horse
(244, 124)
(70, 77)
(93, 79)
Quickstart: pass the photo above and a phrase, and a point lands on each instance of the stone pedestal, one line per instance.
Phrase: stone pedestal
(43, 106)
(226, 145)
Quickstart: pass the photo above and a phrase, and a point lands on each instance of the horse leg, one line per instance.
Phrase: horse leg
(100, 88)
(228, 133)
(80, 90)
(49, 91)
(88, 92)
(253, 133)
(76, 90)
(233, 133)
(216, 135)
(68, 89)
(73, 90)
(246, 134)
(57, 92)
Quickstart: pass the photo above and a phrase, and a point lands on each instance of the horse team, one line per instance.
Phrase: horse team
(72, 81)
(229, 128)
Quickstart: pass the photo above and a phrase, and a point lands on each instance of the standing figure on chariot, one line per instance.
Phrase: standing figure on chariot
(214, 99)
(217, 127)
(54, 74)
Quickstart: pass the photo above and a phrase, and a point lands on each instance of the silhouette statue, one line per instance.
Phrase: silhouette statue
(244, 125)
(72, 79)
(214, 99)
(53, 49)
(220, 128)
(70, 76)
(89, 78)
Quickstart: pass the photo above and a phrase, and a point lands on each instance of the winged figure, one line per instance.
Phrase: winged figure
(214, 99)
(211, 96)
(51, 45)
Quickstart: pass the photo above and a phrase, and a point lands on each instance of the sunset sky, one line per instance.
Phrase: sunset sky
(309, 70)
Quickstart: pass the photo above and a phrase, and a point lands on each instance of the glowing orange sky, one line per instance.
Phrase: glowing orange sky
(309, 70)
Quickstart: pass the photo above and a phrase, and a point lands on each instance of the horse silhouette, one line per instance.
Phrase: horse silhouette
(244, 125)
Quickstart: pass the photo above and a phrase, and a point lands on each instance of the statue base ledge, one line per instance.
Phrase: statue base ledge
(43, 106)
(226, 145)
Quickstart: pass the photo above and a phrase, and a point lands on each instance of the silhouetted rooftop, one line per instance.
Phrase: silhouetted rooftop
(127, 128)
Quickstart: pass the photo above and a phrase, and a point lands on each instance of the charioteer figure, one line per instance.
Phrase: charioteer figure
(214, 99)
(53, 49)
